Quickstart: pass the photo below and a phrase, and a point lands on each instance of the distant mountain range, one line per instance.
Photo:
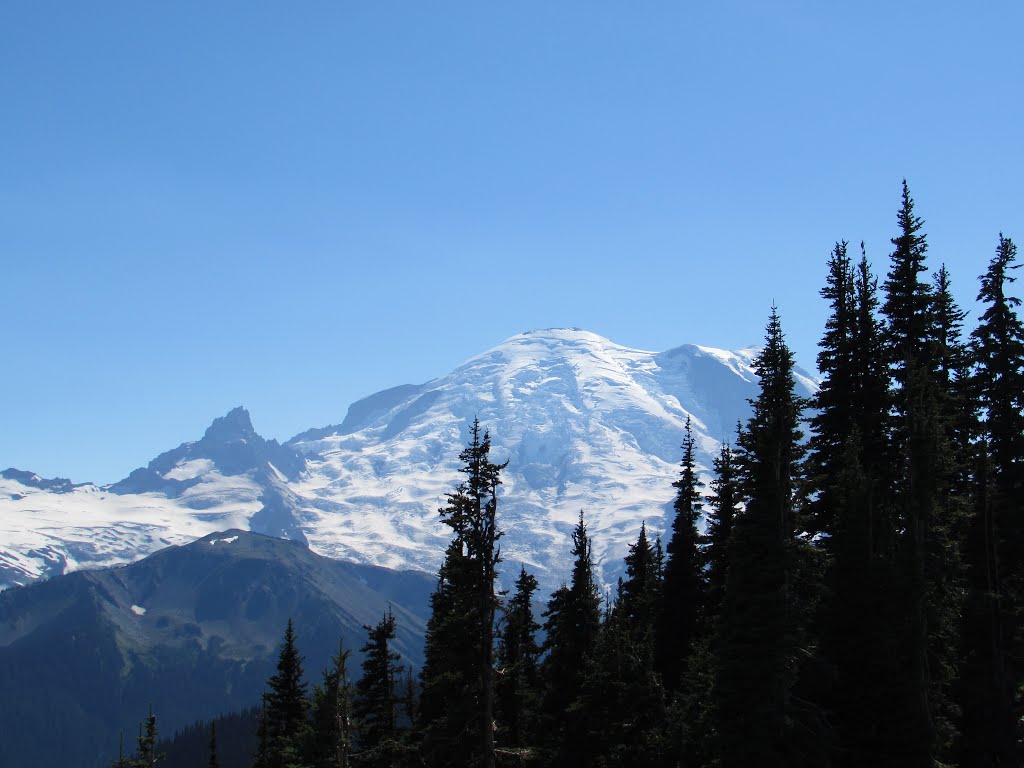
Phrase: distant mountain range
(583, 423)
(192, 631)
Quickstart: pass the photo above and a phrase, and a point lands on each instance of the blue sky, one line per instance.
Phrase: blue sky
(291, 206)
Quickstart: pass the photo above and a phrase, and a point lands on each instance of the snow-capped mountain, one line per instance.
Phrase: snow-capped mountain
(584, 424)
(231, 478)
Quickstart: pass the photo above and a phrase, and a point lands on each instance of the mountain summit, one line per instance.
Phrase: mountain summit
(230, 447)
(583, 422)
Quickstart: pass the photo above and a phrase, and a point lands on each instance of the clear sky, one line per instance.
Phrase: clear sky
(293, 205)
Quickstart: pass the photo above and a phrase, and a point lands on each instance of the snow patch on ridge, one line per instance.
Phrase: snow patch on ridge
(189, 469)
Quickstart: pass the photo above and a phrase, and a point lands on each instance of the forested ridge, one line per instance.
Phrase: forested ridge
(854, 598)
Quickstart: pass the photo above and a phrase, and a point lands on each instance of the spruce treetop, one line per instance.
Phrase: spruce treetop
(908, 299)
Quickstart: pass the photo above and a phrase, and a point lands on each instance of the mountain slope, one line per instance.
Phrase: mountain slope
(584, 424)
(192, 630)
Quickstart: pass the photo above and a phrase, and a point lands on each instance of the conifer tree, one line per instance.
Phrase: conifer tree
(722, 509)
(376, 701)
(146, 755)
(659, 563)
(959, 403)
(684, 594)
(457, 703)
(999, 382)
(572, 622)
(952, 355)
(757, 640)
(448, 697)
(854, 394)
(945, 571)
(621, 706)
(283, 721)
(518, 685)
(909, 300)
(214, 759)
(926, 512)
(690, 722)
(834, 417)
(993, 675)
(849, 481)
(871, 400)
(623, 662)
(331, 740)
(640, 592)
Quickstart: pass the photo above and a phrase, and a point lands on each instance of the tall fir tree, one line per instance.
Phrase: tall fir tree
(518, 656)
(945, 566)
(871, 399)
(834, 416)
(998, 352)
(640, 593)
(283, 719)
(572, 622)
(848, 481)
(926, 511)
(757, 639)
(684, 593)
(993, 673)
(690, 723)
(376, 696)
(457, 703)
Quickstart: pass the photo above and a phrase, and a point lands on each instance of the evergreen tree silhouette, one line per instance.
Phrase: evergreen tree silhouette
(457, 703)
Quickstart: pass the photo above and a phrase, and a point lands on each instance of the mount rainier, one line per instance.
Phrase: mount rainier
(584, 424)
